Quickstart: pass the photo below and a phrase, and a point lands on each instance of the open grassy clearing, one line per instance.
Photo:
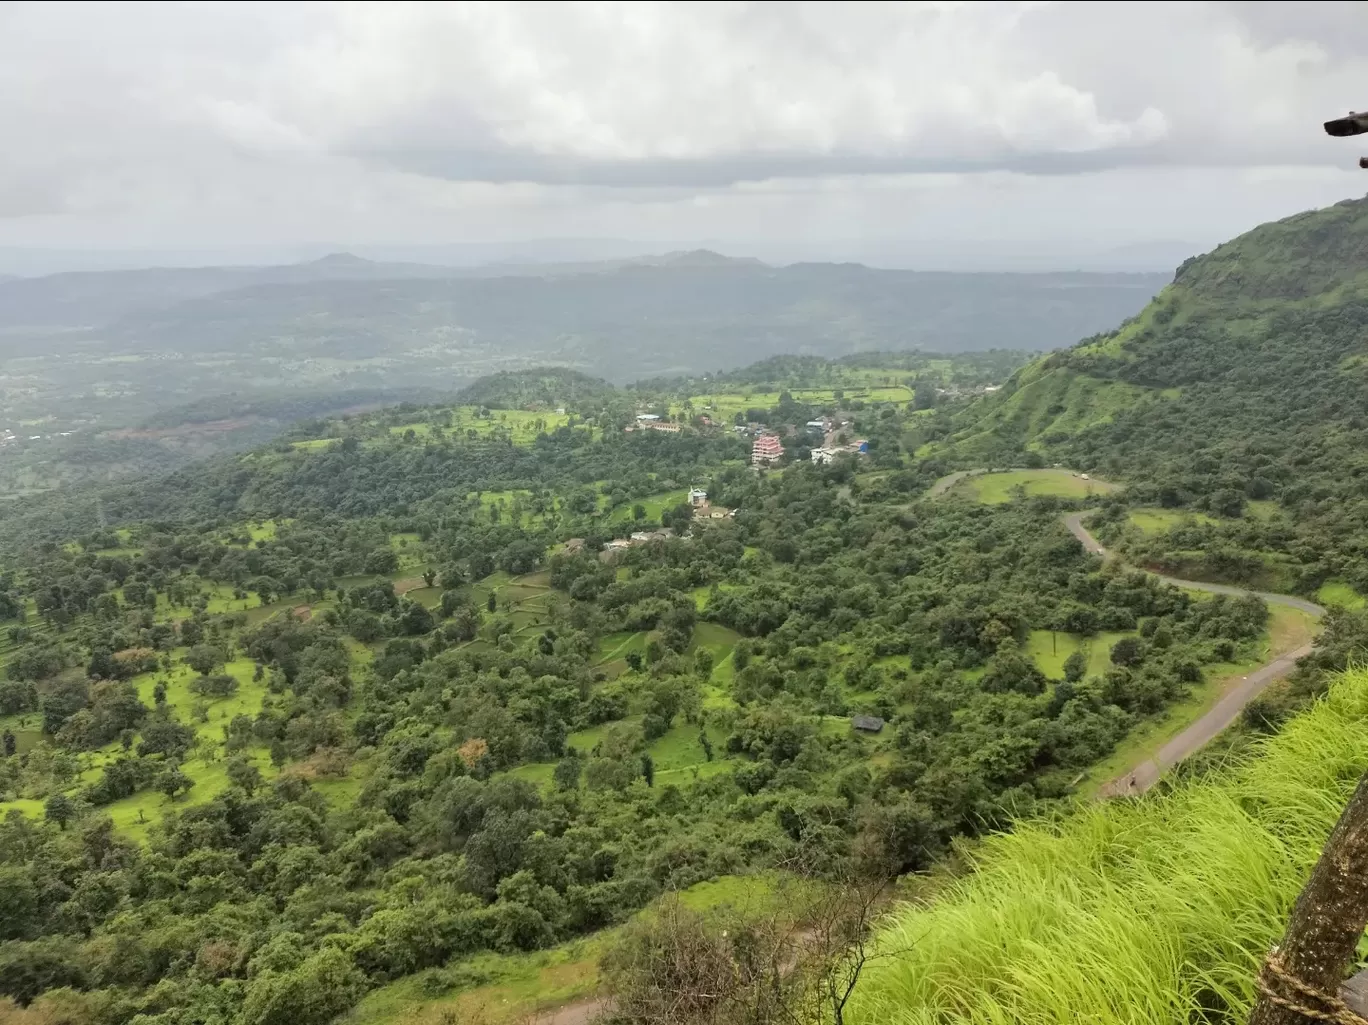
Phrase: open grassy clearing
(996, 488)
(1148, 912)
(1050, 648)
(678, 756)
(717, 638)
(463, 422)
(679, 748)
(134, 816)
(612, 647)
(1337, 592)
(653, 504)
(702, 594)
(27, 728)
(1157, 521)
(515, 507)
(522, 425)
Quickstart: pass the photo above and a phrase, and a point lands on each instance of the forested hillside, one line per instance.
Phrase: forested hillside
(430, 707)
(1236, 404)
(335, 721)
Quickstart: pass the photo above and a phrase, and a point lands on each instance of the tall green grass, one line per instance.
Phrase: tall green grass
(1149, 911)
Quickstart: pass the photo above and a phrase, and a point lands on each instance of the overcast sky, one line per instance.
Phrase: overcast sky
(825, 129)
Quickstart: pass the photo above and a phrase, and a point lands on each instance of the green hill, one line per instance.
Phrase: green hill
(1246, 379)
(541, 386)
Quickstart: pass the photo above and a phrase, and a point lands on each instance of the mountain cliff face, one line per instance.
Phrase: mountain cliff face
(1247, 377)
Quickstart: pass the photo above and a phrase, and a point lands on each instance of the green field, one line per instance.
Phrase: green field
(725, 405)
(1149, 912)
(653, 504)
(1337, 592)
(520, 426)
(1050, 648)
(614, 647)
(1157, 521)
(996, 488)
(136, 815)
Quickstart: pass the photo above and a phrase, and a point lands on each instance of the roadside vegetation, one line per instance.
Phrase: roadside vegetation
(1150, 911)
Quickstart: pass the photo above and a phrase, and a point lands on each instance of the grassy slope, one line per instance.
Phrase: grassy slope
(1040, 401)
(1159, 521)
(500, 988)
(1130, 911)
(1337, 592)
(1312, 260)
(725, 405)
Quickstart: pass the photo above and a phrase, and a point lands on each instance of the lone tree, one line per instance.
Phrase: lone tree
(59, 809)
(202, 658)
(172, 782)
(1301, 978)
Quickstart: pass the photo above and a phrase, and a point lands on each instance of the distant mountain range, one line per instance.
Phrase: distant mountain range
(95, 349)
(970, 255)
(685, 310)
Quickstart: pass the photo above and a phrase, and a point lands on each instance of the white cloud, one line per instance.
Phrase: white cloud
(667, 120)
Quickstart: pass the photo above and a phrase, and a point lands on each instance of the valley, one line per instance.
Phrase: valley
(117, 374)
(460, 707)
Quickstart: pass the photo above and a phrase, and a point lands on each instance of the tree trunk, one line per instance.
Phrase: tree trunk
(1326, 922)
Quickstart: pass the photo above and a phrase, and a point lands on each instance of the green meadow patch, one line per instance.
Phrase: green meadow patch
(1158, 521)
(1050, 648)
(996, 488)
(1338, 592)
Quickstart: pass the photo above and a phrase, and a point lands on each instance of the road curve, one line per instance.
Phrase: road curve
(1232, 703)
(949, 481)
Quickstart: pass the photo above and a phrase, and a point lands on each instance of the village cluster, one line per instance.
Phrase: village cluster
(767, 448)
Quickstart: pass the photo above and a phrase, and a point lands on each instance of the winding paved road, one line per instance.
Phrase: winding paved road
(1232, 702)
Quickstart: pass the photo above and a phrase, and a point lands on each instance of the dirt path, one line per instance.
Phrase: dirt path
(1231, 703)
(581, 1012)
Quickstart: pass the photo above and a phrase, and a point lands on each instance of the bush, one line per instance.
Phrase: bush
(220, 685)
(320, 989)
